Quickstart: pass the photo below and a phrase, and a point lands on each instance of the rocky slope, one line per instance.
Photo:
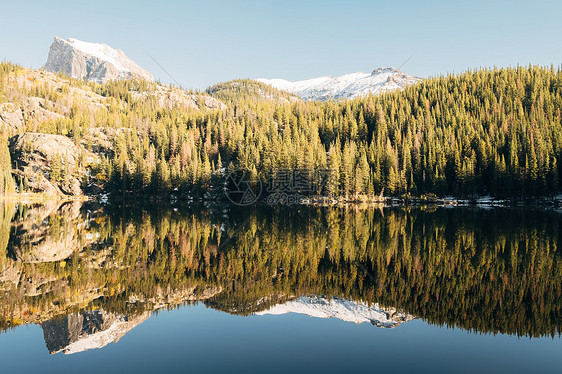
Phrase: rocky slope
(49, 163)
(23, 108)
(37, 103)
(92, 61)
(345, 310)
(346, 86)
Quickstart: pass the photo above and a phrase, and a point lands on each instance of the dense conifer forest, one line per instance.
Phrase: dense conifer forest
(485, 132)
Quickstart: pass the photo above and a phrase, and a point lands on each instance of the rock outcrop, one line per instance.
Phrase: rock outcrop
(92, 61)
(33, 110)
(48, 163)
(40, 110)
(11, 115)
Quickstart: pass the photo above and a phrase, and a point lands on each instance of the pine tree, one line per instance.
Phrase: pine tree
(7, 184)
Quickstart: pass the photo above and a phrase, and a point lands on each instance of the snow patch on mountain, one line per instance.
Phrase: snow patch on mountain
(101, 51)
(345, 86)
(345, 310)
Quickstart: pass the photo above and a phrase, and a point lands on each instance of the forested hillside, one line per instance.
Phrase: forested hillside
(239, 90)
(495, 132)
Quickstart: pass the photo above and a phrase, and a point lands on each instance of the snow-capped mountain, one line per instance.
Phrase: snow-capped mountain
(345, 86)
(92, 61)
(345, 310)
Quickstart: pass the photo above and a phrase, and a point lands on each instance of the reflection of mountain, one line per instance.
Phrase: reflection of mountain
(346, 310)
(89, 330)
(497, 271)
(79, 332)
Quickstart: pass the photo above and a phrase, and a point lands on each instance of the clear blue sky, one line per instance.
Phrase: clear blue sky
(204, 42)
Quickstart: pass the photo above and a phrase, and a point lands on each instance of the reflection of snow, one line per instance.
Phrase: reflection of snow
(345, 310)
(89, 330)
(102, 338)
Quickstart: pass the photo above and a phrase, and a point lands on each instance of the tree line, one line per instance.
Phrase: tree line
(485, 132)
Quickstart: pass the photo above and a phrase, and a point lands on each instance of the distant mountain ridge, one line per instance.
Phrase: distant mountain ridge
(345, 86)
(92, 61)
(101, 63)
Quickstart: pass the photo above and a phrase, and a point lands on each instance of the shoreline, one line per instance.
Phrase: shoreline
(314, 201)
(39, 197)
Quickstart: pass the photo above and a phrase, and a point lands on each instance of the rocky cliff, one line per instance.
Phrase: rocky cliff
(48, 163)
(92, 61)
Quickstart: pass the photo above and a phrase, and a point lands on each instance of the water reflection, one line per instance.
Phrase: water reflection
(78, 332)
(346, 310)
(89, 274)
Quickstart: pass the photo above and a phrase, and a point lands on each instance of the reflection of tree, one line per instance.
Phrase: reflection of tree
(7, 211)
(489, 271)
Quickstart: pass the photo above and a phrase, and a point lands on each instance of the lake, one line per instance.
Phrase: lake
(114, 288)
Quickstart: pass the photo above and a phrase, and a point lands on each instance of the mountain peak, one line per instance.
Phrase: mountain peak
(92, 61)
(346, 86)
(390, 69)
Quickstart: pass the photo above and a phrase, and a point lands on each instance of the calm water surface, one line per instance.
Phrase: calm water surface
(85, 288)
